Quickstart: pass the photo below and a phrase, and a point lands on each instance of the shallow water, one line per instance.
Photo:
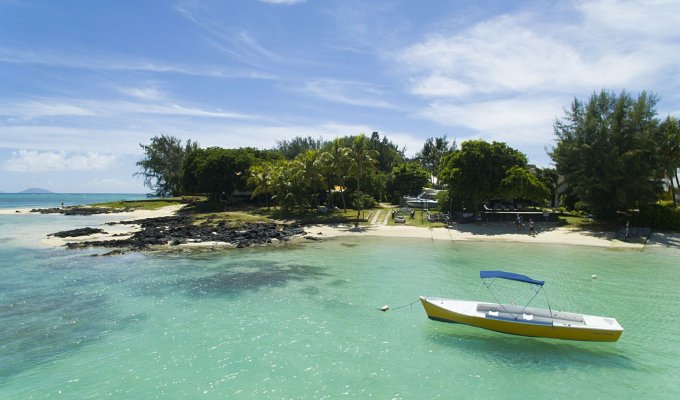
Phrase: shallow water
(47, 200)
(302, 321)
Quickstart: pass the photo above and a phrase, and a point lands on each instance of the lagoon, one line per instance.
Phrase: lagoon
(302, 321)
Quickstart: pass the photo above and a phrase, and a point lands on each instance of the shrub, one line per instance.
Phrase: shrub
(658, 216)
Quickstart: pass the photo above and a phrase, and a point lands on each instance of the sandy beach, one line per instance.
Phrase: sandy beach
(495, 232)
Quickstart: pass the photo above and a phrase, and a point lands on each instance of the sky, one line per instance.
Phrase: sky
(84, 83)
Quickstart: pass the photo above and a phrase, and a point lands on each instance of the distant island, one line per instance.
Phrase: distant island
(36, 190)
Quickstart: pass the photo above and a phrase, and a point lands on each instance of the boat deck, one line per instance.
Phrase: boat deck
(530, 315)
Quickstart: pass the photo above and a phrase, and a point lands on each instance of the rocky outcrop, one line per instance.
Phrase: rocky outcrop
(78, 232)
(76, 210)
(177, 230)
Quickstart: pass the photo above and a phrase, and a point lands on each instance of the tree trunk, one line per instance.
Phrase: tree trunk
(677, 181)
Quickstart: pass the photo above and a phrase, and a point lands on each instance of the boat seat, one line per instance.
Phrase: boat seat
(536, 312)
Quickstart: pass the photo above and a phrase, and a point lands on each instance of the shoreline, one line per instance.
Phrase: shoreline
(496, 233)
(115, 230)
(490, 232)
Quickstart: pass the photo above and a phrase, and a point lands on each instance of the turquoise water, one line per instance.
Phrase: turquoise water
(302, 321)
(46, 200)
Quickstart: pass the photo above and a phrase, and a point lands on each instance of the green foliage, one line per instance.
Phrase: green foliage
(217, 171)
(290, 149)
(363, 159)
(522, 184)
(658, 216)
(549, 178)
(607, 153)
(154, 204)
(360, 201)
(388, 154)
(432, 153)
(162, 164)
(668, 144)
(475, 172)
(444, 202)
(261, 181)
(407, 179)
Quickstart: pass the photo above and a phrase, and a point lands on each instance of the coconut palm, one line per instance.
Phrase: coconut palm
(362, 160)
(669, 151)
(261, 180)
(336, 164)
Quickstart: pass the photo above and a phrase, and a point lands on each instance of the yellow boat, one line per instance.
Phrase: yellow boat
(522, 320)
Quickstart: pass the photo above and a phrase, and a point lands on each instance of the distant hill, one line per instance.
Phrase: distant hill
(35, 190)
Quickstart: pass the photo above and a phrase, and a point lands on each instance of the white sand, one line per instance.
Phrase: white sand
(12, 211)
(495, 233)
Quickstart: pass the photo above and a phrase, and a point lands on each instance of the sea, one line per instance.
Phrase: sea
(303, 321)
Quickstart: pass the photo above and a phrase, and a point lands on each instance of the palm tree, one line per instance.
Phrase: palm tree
(313, 172)
(337, 162)
(261, 180)
(669, 151)
(431, 154)
(362, 160)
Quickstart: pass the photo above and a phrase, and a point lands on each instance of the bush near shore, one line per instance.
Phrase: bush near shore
(658, 216)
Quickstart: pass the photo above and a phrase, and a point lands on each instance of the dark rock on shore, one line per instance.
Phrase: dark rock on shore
(75, 210)
(77, 232)
(180, 229)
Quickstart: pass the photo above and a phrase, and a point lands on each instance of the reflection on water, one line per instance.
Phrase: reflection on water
(516, 351)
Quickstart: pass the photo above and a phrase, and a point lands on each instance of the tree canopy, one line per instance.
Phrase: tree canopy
(476, 171)
(431, 154)
(408, 179)
(607, 153)
(163, 162)
(217, 171)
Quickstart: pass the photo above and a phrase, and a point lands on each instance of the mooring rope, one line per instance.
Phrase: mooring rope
(409, 304)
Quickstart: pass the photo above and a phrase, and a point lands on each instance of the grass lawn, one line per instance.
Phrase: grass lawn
(151, 204)
(589, 223)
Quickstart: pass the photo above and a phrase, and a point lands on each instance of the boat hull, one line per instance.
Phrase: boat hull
(422, 203)
(466, 312)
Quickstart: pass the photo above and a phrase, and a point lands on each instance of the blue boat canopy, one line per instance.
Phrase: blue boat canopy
(509, 275)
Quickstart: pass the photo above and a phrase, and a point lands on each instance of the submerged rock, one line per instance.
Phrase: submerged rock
(78, 232)
(75, 210)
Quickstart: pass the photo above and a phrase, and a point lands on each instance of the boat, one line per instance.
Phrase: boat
(424, 200)
(522, 320)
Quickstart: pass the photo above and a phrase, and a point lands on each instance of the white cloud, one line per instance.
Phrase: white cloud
(609, 46)
(652, 18)
(516, 120)
(347, 92)
(440, 86)
(143, 93)
(58, 107)
(35, 161)
(105, 63)
(507, 78)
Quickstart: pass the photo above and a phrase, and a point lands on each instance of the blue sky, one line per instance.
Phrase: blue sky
(83, 83)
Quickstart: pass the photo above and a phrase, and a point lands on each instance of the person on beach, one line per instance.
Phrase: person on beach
(531, 227)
